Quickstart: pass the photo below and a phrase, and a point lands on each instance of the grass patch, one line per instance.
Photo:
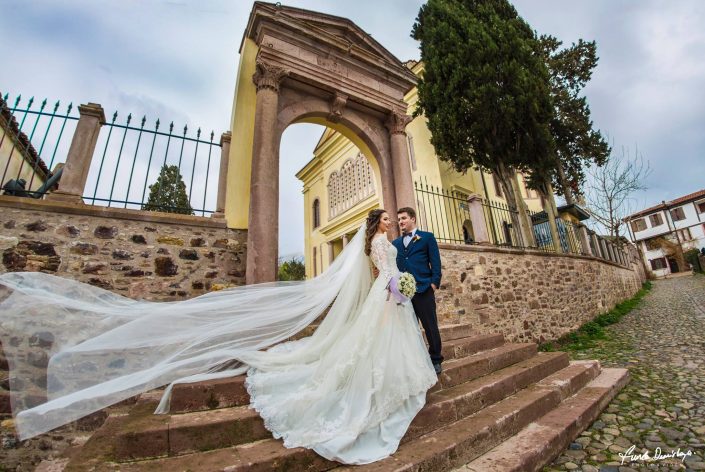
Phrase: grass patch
(592, 331)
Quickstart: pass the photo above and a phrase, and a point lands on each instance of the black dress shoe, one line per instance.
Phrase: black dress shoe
(437, 368)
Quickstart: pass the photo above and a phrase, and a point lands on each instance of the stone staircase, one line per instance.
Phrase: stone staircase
(499, 406)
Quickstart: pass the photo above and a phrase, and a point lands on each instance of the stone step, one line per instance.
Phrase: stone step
(211, 429)
(442, 408)
(467, 346)
(456, 331)
(461, 370)
(502, 417)
(450, 405)
(266, 455)
(468, 438)
(543, 440)
(225, 393)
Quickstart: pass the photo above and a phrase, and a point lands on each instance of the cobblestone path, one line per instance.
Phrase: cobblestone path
(662, 342)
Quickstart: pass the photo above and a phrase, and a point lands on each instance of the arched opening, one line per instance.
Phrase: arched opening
(327, 186)
(468, 232)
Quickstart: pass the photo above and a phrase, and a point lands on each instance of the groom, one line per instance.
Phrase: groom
(417, 253)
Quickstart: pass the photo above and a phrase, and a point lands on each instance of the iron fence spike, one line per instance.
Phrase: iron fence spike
(198, 133)
(115, 115)
(129, 118)
(157, 126)
(44, 103)
(56, 106)
(144, 119)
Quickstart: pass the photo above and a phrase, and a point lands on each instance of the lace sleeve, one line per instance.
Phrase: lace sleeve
(378, 253)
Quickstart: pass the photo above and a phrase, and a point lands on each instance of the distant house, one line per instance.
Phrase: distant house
(660, 230)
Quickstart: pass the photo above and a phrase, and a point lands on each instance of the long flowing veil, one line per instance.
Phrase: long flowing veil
(102, 348)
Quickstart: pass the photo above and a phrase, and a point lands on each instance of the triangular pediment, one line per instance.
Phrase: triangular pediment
(340, 30)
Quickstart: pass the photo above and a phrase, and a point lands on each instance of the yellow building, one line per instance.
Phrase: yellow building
(339, 190)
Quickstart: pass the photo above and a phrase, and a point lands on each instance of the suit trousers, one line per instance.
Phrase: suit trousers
(425, 307)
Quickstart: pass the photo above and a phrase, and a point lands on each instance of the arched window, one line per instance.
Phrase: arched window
(351, 184)
(316, 213)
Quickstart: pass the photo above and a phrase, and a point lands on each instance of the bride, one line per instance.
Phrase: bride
(349, 391)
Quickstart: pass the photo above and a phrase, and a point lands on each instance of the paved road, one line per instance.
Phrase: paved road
(662, 342)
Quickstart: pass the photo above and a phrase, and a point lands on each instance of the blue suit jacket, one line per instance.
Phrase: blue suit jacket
(421, 259)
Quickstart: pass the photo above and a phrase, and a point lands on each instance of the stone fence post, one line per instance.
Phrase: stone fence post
(223, 176)
(584, 240)
(477, 218)
(596, 245)
(78, 160)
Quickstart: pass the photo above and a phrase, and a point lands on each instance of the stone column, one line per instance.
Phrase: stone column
(263, 224)
(389, 199)
(78, 160)
(404, 185)
(603, 248)
(223, 176)
(584, 241)
(477, 217)
(331, 253)
(596, 243)
(345, 240)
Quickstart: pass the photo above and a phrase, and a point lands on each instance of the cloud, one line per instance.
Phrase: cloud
(177, 60)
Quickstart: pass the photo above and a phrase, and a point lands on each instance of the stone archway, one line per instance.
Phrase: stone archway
(312, 67)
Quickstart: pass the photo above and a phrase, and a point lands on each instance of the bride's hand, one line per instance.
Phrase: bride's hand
(375, 272)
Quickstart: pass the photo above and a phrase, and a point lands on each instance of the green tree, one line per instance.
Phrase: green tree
(485, 92)
(293, 269)
(168, 193)
(577, 144)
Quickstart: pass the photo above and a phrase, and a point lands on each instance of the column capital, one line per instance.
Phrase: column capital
(92, 109)
(268, 76)
(397, 121)
(225, 137)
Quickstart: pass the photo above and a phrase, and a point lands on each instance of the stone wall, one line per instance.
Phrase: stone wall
(530, 295)
(149, 255)
(153, 256)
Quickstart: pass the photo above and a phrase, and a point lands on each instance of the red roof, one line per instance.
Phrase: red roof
(672, 203)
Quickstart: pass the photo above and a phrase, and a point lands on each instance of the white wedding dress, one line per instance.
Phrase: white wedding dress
(355, 402)
(349, 391)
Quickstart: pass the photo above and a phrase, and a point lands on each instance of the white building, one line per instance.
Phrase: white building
(659, 229)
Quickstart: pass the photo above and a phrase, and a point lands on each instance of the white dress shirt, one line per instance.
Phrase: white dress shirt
(407, 239)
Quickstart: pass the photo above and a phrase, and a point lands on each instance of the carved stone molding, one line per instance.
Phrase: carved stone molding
(337, 106)
(268, 76)
(397, 121)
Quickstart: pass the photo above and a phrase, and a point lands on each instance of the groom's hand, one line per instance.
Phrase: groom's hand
(433, 286)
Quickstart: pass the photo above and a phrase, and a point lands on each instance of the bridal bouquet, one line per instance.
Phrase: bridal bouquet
(402, 287)
(407, 285)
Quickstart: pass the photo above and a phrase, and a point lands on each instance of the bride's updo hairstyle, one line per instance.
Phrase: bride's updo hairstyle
(373, 218)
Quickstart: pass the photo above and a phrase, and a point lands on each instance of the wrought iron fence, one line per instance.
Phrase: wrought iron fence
(568, 234)
(501, 221)
(448, 214)
(28, 161)
(444, 213)
(142, 167)
(138, 166)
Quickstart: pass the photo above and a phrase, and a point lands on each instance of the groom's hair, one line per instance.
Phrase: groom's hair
(408, 210)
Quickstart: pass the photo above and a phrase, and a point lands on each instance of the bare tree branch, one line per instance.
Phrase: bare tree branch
(611, 188)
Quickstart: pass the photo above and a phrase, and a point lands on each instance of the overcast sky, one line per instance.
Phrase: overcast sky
(177, 60)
